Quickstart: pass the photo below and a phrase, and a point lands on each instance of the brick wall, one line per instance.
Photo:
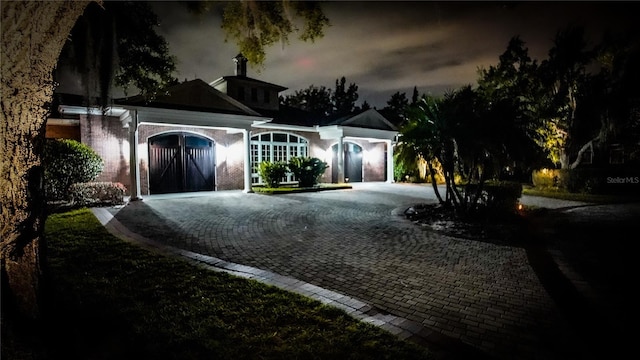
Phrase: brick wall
(106, 136)
(373, 161)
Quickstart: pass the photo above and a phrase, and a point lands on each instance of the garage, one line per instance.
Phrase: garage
(181, 162)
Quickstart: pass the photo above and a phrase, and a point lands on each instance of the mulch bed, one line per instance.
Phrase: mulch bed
(502, 229)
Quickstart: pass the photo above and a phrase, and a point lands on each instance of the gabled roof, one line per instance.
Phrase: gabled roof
(369, 119)
(289, 115)
(246, 79)
(193, 95)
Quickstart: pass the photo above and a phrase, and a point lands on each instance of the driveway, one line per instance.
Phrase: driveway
(506, 302)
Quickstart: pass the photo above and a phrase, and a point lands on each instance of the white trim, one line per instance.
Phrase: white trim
(63, 122)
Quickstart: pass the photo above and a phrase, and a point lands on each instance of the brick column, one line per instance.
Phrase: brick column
(246, 139)
(389, 161)
(134, 158)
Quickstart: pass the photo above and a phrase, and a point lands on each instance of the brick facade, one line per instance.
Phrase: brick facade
(106, 136)
(110, 140)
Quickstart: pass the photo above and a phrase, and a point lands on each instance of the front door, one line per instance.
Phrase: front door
(180, 162)
(352, 163)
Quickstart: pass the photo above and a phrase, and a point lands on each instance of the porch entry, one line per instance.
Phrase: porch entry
(181, 162)
(352, 162)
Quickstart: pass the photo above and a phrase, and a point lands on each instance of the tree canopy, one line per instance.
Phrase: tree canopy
(255, 25)
(321, 101)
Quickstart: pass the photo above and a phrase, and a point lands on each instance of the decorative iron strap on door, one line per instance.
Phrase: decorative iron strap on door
(180, 162)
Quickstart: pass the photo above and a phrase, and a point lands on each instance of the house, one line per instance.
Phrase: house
(200, 136)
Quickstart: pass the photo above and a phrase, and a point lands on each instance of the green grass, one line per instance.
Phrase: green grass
(590, 198)
(290, 190)
(110, 299)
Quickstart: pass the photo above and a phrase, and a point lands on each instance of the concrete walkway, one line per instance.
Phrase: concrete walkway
(355, 250)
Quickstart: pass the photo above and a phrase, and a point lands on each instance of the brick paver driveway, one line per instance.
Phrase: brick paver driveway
(357, 242)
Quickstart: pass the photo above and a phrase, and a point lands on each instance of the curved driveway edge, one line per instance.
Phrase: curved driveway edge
(404, 329)
(412, 280)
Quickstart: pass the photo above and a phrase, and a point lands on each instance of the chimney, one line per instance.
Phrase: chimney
(241, 65)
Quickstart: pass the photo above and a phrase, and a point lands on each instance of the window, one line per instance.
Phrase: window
(616, 154)
(254, 94)
(275, 146)
(240, 93)
(267, 96)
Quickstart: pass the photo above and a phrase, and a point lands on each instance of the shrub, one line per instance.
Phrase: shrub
(67, 162)
(545, 178)
(272, 173)
(97, 193)
(307, 170)
(502, 196)
(499, 197)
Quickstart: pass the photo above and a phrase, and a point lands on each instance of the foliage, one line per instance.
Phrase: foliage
(256, 25)
(307, 170)
(314, 99)
(67, 162)
(396, 109)
(272, 173)
(501, 196)
(344, 101)
(97, 193)
(545, 178)
(321, 101)
(580, 98)
(118, 41)
(105, 291)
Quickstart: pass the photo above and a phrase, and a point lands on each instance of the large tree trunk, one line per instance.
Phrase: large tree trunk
(33, 34)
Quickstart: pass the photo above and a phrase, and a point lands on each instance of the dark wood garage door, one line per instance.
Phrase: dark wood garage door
(352, 163)
(180, 162)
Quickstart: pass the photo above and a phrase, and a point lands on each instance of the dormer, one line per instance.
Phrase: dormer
(256, 94)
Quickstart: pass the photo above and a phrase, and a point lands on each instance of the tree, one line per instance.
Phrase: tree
(322, 101)
(117, 44)
(511, 93)
(565, 75)
(344, 101)
(314, 99)
(415, 97)
(255, 25)
(33, 35)
(396, 108)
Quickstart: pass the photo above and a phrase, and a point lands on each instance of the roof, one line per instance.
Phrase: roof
(288, 115)
(194, 95)
(246, 79)
(369, 119)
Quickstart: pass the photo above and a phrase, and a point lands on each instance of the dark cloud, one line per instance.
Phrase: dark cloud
(390, 46)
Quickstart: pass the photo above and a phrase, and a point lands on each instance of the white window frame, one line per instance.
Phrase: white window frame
(270, 150)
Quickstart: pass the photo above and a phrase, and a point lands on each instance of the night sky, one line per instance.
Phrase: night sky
(389, 46)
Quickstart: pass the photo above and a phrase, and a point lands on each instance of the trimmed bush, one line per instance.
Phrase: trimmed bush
(545, 178)
(503, 196)
(498, 196)
(307, 170)
(272, 173)
(97, 193)
(67, 162)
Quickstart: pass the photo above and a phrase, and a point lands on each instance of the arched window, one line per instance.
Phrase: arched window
(275, 146)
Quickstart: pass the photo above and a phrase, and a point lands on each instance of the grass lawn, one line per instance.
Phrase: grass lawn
(109, 299)
(590, 198)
